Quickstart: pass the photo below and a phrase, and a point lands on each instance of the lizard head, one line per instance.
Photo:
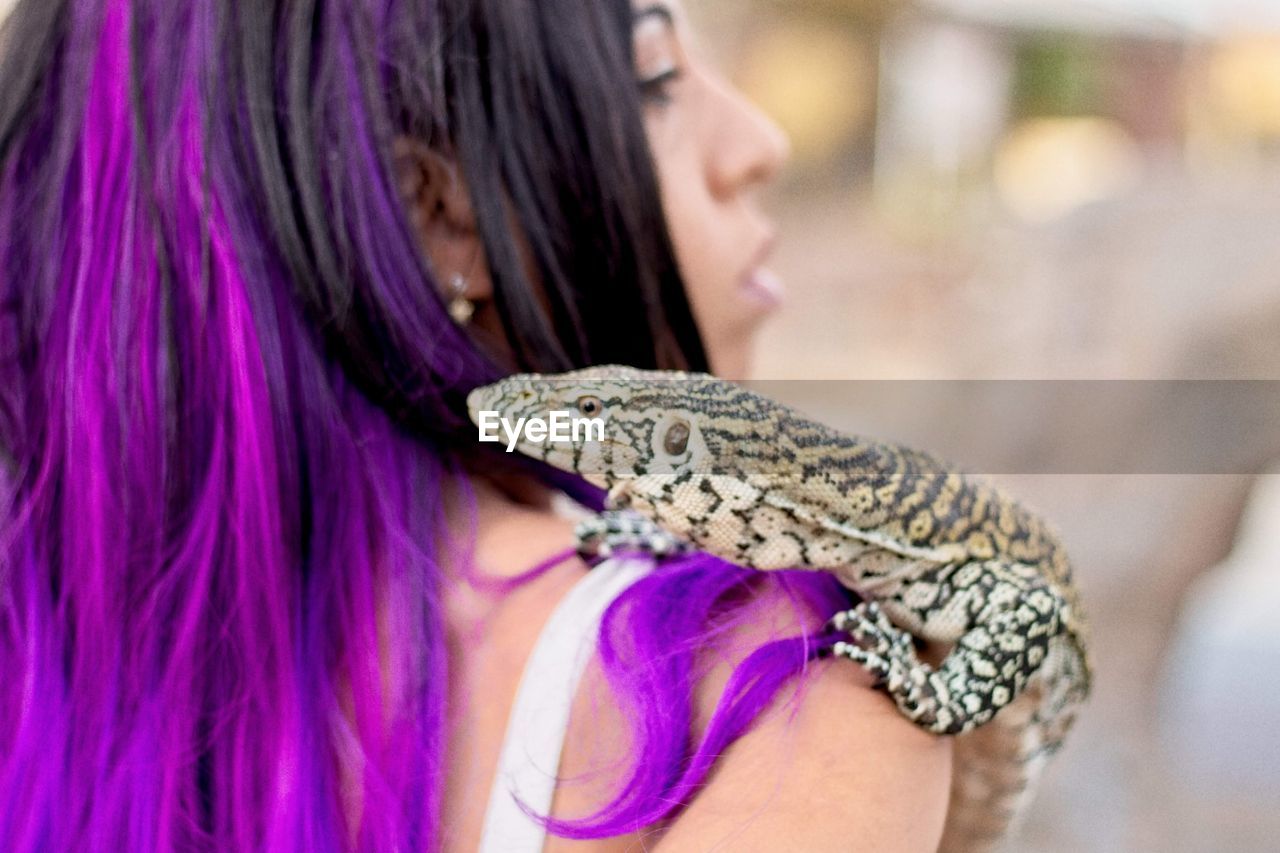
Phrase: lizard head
(654, 422)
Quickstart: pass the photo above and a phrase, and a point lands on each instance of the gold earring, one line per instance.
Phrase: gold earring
(460, 307)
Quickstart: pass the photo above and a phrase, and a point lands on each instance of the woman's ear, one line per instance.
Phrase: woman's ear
(432, 187)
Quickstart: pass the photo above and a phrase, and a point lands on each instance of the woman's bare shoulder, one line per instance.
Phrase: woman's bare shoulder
(833, 760)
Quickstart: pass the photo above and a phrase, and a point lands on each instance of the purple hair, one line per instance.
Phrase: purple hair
(230, 399)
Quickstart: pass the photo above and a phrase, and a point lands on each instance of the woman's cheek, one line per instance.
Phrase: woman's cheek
(695, 224)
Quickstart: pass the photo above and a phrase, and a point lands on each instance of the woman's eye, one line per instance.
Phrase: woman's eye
(659, 59)
(657, 89)
(590, 406)
(676, 441)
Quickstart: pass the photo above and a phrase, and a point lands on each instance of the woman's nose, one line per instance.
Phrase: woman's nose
(749, 148)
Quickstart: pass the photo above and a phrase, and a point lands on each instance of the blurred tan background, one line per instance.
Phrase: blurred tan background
(1051, 189)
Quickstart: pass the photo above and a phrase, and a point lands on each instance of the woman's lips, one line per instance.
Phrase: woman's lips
(763, 285)
(760, 283)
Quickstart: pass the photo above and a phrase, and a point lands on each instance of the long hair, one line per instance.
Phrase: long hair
(230, 397)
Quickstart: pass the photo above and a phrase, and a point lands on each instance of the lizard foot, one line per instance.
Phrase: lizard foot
(612, 531)
(888, 653)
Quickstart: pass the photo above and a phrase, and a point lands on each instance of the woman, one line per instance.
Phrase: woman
(258, 588)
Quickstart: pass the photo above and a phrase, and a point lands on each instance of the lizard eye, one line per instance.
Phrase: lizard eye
(590, 406)
(676, 441)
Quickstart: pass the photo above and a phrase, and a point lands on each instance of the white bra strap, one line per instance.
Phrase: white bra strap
(530, 759)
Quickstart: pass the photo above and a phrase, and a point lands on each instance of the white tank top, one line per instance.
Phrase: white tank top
(530, 758)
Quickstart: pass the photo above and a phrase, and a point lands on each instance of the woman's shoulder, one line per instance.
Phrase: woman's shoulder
(831, 759)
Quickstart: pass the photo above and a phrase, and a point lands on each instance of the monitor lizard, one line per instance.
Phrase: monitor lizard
(689, 460)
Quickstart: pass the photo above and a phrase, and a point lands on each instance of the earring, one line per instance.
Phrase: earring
(460, 308)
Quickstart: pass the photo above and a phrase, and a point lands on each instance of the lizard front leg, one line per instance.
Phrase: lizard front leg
(614, 531)
(986, 670)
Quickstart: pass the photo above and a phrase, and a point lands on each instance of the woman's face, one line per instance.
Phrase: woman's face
(713, 151)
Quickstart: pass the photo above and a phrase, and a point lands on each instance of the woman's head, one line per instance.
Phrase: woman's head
(230, 392)
(711, 149)
(306, 121)
(528, 175)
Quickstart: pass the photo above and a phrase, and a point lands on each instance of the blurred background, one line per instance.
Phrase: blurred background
(1050, 190)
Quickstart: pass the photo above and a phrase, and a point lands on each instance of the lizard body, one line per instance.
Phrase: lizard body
(934, 555)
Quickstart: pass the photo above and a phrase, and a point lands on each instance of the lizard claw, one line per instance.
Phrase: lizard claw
(888, 653)
(869, 627)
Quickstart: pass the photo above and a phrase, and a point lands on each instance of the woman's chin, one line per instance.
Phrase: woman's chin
(733, 359)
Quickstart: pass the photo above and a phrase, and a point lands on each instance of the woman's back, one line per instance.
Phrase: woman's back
(494, 670)
(490, 638)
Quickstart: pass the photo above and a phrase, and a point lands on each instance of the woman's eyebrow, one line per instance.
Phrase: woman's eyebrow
(653, 10)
